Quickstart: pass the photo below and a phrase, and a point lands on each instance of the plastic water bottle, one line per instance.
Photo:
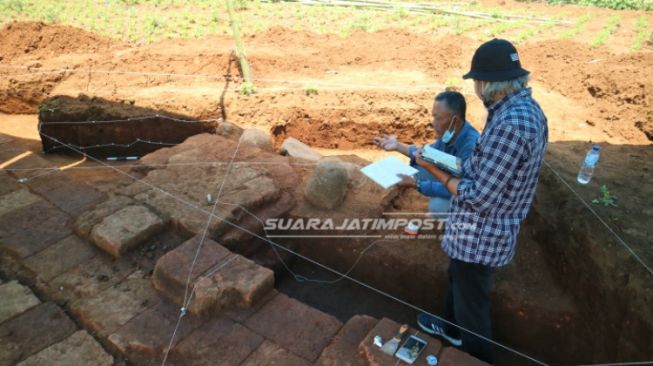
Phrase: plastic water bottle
(586, 171)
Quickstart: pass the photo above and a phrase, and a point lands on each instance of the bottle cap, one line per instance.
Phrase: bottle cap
(595, 147)
(432, 360)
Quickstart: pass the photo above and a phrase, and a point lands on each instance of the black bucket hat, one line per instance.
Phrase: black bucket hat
(496, 60)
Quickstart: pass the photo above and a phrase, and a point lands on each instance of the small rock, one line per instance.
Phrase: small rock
(297, 149)
(327, 186)
(229, 130)
(258, 138)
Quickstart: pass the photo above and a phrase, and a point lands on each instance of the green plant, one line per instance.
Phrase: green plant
(247, 88)
(452, 81)
(310, 90)
(640, 36)
(609, 29)
(50, 106)
(14, 5)
(400, 12)
(530, 32)
(606, 198)
(581, 23)
(51, 14)
(240, 4)
(611, 4)
(499, 28)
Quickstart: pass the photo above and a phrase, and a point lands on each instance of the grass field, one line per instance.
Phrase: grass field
(144, 22)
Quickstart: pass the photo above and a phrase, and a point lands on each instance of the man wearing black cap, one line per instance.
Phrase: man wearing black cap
(493, 197)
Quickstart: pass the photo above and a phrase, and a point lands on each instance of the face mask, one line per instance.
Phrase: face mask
(448, 134)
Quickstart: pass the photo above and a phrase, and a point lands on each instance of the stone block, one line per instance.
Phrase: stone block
(297, 149)
(15, 299)
(239, 283)
(257, 138)
(229, 130)
(343, 350)
(126, 229)
(453, 357)
(219, 341)
(171, 270)
(32, 331)
(145, 338)
(87, 220)
(8, 184)
(271, 354)
(327, 186)
(220, 279)
(33, 228)
(297, 327)
(59, 257)
(17, 199)
(86, 279)
(78, 349)
(70, 196)
(105, 312)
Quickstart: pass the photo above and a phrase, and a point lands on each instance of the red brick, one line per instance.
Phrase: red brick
(87, 220)
(453, 357)
(171, 270)
(297, 327)
(32, 331)
(86, 279)
(246, 186)
(220, 341)
(145, 338)
(68, 195)
(51, 261)
(343, 350)
(220, 279)
(238, 283)
(14, 200)
(126, 229)
(105, 312)
(235, 237)
(30, 164)
(271, 354)
(15, 299)
(241, 315)
(32, 228)
(78, 349)
(8, 184)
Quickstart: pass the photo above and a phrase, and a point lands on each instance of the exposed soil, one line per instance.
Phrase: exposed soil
(384, 82)
(386, 77)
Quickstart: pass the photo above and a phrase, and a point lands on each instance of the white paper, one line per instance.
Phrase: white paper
(440, 157)
(384, 172)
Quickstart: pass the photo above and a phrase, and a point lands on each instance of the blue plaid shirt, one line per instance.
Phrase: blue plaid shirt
(499, 184)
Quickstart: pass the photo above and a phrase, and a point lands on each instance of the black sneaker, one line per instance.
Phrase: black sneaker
(435, 326)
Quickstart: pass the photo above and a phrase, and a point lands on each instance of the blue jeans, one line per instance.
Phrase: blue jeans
(439, 205)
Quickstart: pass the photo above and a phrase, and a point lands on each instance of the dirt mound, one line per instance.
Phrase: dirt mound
(38, 40)
(613, 86)
(350, 74)
(626, 89)
(338, 129)
(323, 52)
